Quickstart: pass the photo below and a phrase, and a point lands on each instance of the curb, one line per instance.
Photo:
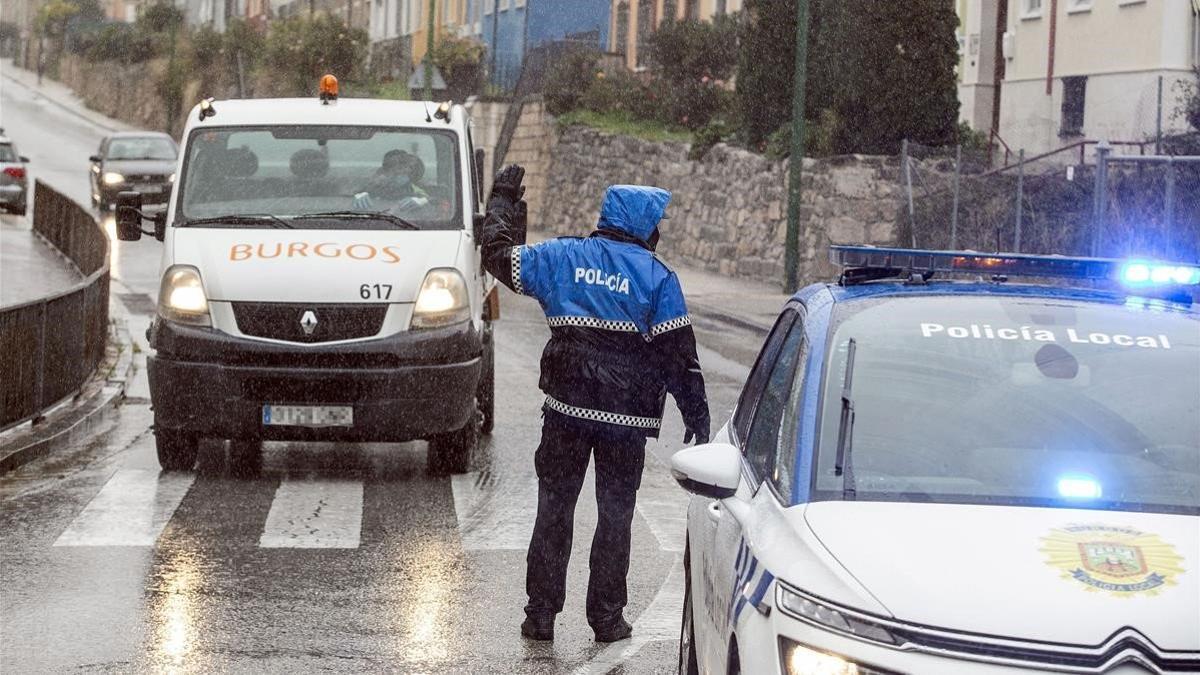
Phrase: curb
(95, 404)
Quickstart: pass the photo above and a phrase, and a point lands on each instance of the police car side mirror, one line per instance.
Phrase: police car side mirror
(712, 470)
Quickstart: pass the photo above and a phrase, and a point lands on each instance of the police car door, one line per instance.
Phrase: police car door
(728, 560)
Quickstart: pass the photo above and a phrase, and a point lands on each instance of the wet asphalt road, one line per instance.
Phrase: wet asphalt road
(107, 564)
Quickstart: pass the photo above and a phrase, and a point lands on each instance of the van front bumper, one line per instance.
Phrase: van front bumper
(403, 387)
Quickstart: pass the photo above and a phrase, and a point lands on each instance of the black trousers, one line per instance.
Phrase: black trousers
(561, 462)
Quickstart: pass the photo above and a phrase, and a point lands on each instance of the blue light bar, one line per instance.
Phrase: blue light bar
(1017, 264)
(1078, 487)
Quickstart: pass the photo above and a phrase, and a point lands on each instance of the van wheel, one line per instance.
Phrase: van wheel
(177, 449)
(452, 452)
(688, 663)
(486, 396)
(245, 457)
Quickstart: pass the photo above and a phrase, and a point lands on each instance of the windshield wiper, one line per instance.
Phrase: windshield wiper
(373, 215)
(241, 219)
(842, 465)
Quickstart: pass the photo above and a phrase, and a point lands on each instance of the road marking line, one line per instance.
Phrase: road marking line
(131, 509)
(495, 513)
(314, 514)
(659, 623)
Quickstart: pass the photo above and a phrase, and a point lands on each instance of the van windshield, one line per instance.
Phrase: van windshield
(296, 173)
(1016, 401)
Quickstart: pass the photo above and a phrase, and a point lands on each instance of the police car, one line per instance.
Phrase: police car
(321, 279)
(937, 476)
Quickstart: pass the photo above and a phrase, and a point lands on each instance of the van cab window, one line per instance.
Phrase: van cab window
(322, 177)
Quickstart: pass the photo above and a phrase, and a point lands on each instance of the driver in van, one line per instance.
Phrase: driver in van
(396, 180)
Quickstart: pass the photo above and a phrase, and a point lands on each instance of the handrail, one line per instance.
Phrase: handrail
(1081, 145)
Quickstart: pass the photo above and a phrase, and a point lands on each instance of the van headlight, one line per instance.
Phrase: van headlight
(442, 300)
(181, 297)
(113, 178)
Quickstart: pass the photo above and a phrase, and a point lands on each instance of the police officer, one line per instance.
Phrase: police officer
(620, 340)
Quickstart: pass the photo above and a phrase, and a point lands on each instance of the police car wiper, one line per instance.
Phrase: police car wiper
(842, 465)
(373, 215)
(241, 219)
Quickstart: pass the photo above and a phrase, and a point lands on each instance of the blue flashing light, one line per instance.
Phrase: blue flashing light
(1078, 487)
(1138, 273)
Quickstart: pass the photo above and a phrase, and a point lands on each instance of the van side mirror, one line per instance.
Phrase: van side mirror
(712, 470)
(480, 155)
(130, 217)
(94, 159)
(24, 159)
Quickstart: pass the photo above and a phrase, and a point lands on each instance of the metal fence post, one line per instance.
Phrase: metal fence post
(912, 224)
(1158, 120)
(1020, 198)
(1100, 194)
(1169, 207)
(954, 212)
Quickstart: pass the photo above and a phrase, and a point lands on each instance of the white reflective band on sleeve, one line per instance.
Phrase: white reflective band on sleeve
(680, 322)
(591, 322)
(601, 416)
(516, 269)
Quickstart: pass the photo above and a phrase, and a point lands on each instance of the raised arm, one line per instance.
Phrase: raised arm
(504, 228)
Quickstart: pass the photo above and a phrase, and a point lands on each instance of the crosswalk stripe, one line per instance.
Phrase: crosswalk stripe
(131, 509)
(314, 514)
(494, 513)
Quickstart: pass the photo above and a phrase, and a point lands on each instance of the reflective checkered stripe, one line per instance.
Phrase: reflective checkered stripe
(602, 416)
(592, 322)
(515, 257)
(680, 322)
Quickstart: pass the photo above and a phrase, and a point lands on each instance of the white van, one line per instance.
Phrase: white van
(321, 280)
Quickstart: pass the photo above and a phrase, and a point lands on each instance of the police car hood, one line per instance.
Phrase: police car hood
(241, 264)
(1050, 575)
(633, 209)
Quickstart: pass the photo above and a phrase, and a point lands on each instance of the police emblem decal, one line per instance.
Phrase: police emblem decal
(1120, 560)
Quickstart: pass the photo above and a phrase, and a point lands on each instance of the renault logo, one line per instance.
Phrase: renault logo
(308, 321)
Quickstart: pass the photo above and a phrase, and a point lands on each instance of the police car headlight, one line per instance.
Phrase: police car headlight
(801, 660)
(442, 300)
(181, 297)
(113, 178)
(811, 610)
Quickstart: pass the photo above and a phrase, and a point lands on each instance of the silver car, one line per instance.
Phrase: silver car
(14, 183)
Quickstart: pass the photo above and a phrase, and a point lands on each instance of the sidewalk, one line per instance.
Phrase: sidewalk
(58, 94)
(29, 267)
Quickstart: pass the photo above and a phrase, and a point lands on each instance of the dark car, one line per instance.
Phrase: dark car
(13, 181)
(141, 161)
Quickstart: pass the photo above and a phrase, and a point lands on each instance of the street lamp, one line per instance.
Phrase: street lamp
(791, 255)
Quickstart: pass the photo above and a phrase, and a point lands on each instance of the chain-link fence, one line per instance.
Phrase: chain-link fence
(1113, 202)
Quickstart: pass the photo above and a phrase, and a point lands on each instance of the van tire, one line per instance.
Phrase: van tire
(176, 449)
(486, 395)
(452, 452)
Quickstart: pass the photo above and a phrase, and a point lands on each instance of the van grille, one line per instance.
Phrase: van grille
(283, 321)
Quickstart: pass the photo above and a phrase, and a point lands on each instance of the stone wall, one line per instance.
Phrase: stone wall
(125, 92)
(532, 147)
(728, 211)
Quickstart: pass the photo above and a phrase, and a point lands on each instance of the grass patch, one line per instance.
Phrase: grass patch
(396, 90)
(625, 125)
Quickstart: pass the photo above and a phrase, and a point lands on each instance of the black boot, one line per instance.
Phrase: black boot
(618, 630)
(538, 627)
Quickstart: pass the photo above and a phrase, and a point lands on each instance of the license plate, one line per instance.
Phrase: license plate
(308, 415)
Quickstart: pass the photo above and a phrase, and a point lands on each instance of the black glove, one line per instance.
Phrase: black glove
(698, 430)
(508, 183)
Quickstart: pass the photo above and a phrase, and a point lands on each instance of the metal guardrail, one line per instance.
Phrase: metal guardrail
(51, 346)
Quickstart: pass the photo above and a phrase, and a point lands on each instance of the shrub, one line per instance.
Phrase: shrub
(704, 138)
(121, 42)
(569, 79)
(689, 51)
(301, 49)
(460, 61)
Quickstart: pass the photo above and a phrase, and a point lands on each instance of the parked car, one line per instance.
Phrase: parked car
(141, 161)
(14, 184)
(937, 476)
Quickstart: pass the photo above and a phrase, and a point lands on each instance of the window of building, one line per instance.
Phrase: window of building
(519, 3)
(1076, 6)
(622, 29)
(693, 10)
(645, 26)
(487, 6)
(670, 13)
(1074, 94)
(1031, 9)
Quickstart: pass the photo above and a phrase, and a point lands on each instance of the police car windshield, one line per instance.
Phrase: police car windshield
(294, 171)
(1017, 401)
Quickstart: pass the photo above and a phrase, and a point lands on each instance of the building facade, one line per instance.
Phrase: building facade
(1076, 69)
(633, 21)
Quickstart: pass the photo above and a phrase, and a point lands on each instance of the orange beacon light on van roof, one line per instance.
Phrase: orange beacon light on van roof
(329, 88)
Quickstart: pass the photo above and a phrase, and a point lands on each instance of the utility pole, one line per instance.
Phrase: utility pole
(429, 52)
(791, 260)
